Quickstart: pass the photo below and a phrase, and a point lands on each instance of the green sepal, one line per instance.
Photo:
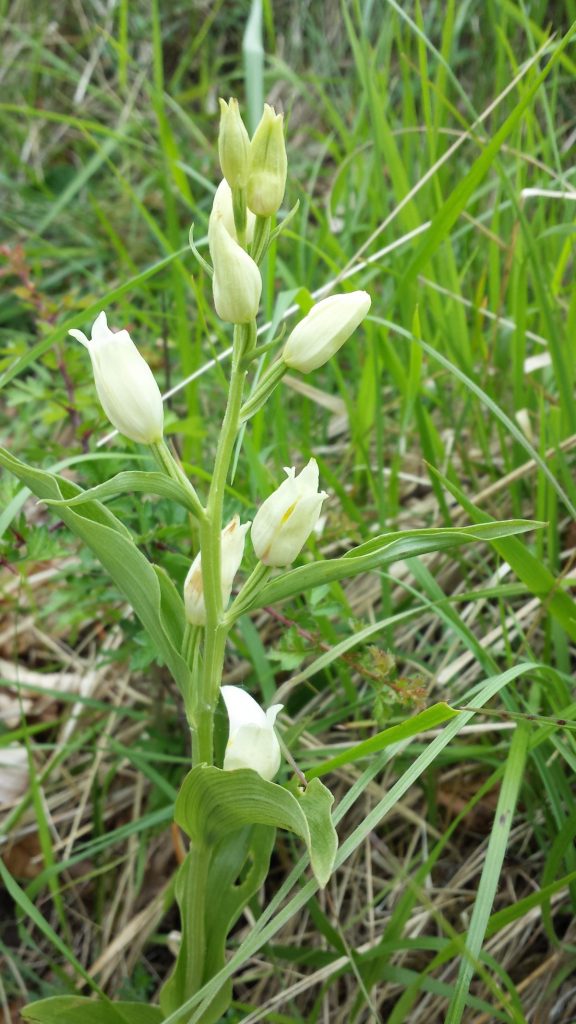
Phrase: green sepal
(81, 1010)
(133, 480)
(147, 587)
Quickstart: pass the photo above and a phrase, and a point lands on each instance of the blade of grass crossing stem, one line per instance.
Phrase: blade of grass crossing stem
(491, 871)
(279, 911)
(253, 53)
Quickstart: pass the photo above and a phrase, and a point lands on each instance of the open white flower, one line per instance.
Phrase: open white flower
(125, 383)
(237, 284)
(222, 207)
(252, 742)
(286, 519)
(324, 330)
(233, 537)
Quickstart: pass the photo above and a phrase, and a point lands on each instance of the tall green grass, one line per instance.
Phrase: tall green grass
(430, 148)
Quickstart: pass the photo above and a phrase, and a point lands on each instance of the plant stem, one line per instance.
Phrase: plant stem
(172, 468)
(216, 629)
(243, 599)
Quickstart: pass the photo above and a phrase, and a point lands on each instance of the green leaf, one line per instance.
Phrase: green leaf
(428, 719)
(149, 590)
(381, 551)
(80, 1010)
(212, 888)
(133, 480)
(316, 802)
(494, 859)
(213, 803)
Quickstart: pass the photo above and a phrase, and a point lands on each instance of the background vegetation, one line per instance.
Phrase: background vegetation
(431, 148)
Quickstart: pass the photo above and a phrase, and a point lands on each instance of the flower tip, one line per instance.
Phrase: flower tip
(273, 712)
(79, 336)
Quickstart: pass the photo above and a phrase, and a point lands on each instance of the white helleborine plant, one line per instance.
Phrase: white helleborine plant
(222, 206)
(324, 330)
(232, 541)
(286, 519)
(237, 284)
(125, 383)
(252, 742)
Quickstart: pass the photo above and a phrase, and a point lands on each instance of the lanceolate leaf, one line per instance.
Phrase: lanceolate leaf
(136, 481)
(80, 1010)
(381, 551)
(151, 593)
(428, 719)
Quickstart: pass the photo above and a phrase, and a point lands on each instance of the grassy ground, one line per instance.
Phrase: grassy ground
(430, 147)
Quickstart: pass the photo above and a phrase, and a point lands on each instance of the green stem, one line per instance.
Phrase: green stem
(216, 629)
(172, 468)
(245, 596)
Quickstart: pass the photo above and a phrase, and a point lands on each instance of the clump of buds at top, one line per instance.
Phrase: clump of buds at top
(324, 330)
(237, 284)
(286, 519)
(232, 541)
(252, 742)
(267, 165)
(124, 382)
(222, 206)
(233, 144)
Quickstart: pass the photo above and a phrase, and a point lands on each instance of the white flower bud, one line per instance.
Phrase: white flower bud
(237, 284)
(324, 330)
(252, 742)
(125, 383)
(222, 206)
(233, 144)
(267, 165)
(232, 541)
(284, 522)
